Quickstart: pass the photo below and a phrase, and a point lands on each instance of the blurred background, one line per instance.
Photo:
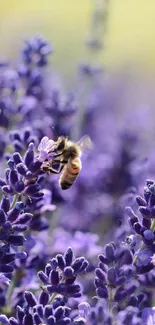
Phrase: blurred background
(67, 25)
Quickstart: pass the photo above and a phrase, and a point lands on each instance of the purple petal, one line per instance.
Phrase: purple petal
(148, 316)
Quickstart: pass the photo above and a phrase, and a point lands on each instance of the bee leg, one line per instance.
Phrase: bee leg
(58, 161)
(53, 170)
(58, 154)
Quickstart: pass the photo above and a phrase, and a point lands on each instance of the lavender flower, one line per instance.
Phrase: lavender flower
(13, 223)
(144, 229)
(130, 316)
(153, 259)
(36, 312)
(32, 230)
(63, 281)
(114, 276)
(59, 277)
(46, 148)
(21, 176)
(148, 316)
(84, 311)
(21, 139)
(36, 51)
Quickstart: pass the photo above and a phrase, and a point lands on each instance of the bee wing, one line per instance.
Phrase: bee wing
(51, 145)
(46, 144)
(85, 143)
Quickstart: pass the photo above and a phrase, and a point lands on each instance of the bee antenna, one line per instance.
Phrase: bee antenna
(55, 133)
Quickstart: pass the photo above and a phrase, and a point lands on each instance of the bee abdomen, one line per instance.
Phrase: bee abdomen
(68, 176)
(67, 179)
(65, 185)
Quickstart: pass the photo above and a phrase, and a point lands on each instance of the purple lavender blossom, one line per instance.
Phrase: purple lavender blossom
(32, 230)
(58, 279)
(148, 316)
(46, 148)
(36, 51)
(63, 282)
(153, 259)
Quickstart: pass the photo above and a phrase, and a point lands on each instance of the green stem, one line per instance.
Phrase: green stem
(7, 309)
(153, 225)
(54, 294)
(52, 297)
(110, 300)
(99, 21)
(15, 199)
(10, 290)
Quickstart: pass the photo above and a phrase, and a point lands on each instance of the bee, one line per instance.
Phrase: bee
(68, 157)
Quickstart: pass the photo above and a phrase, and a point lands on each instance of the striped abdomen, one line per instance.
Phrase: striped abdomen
(70, 173)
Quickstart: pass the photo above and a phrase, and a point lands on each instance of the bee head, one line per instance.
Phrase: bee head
(61, 144)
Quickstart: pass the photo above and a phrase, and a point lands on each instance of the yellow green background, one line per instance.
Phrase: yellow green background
(66, 23)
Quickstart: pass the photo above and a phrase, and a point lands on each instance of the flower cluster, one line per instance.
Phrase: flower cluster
(41, 280)
(51, 305)
(118, 278)
(63, 283)
(144, 228)
(20, 176)
(36, 52)
(12, 221)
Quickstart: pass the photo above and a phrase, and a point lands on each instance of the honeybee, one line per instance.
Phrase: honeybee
(68, 157)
